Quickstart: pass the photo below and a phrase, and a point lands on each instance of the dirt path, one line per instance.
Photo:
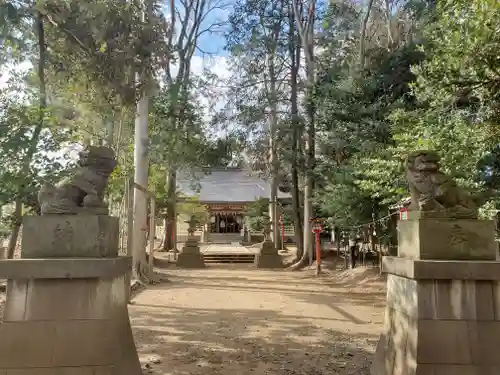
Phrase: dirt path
(247, 321)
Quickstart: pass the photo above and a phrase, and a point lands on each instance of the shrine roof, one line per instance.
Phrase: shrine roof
(225, 185)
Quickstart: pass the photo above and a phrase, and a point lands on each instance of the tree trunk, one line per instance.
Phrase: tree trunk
(42, 57)
(273, 159)
(109, 123)
(388, 12)
(274, 216)
(171, 239)
(272, 98)
(310, 162)
(273, 204)
(311, 149)
(295, 52)
(164, 244)
(140, 265)
(306, 32)
(18, 212)
(362, 41)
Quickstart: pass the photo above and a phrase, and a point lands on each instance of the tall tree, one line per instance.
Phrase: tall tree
(256, 43)
(117, 48)
(189, 20)
(362, 41)
(294, 51)
(14, 15)
(305, 16)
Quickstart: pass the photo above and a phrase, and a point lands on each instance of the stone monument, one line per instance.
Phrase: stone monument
(443, 288)
(66, 308)
(268, 256)
(190, 256)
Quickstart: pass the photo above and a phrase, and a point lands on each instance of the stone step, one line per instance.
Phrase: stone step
(229, 258)
(224, 238)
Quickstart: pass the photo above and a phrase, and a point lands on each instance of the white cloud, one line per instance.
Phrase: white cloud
(217, 64)
(212, 97)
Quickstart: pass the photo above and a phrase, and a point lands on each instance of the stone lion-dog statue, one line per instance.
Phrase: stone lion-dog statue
(436, 194)
(83, 192)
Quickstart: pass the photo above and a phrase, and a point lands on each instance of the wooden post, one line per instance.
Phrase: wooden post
(130, 217)
(318, 253)
(152, 235)
(317, 228)
(130, 231)
(282, 222)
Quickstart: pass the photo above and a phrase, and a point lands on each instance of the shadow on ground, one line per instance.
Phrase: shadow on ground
(323, 290)
(204, 341)
(239, 322)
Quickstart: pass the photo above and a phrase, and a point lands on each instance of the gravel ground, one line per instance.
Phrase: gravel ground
(246, 321)
(243, 321)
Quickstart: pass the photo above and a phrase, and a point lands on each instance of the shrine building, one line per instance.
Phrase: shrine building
(226, 192)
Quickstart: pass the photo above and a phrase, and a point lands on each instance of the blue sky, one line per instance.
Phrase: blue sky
(214, 43)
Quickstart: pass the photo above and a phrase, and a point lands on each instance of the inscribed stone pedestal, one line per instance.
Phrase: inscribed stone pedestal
(66, 307)
(268, 256)
(59, 236)
(443, 300)
(61, 323)
(439, 238)
(442, 317)
(190, 256)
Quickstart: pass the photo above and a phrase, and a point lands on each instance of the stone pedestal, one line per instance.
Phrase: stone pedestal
(268, 256)
(457, 239)
(204, 234)
(190, 256)
(67, 315)
(60, 236)
(442, 315)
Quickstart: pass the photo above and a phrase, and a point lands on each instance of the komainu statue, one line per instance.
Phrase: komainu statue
(83, 192)
(435, 194)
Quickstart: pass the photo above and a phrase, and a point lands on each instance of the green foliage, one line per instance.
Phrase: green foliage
(194, 210)
(256, 40)
(17, 121)
(177, 139)
(15, 31)
(257, 215)
(107, 42)
(439, 94)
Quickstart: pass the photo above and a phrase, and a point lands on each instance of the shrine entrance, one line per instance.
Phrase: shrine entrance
(226, 218)
(226, 223)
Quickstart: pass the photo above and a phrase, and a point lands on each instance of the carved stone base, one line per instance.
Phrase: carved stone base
(268, 256)
(60, 236)
(77, 324)
(435, 238)
(442, 318)
(190, 256)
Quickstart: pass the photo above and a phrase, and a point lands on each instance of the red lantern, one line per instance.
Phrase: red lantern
(317, 228)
